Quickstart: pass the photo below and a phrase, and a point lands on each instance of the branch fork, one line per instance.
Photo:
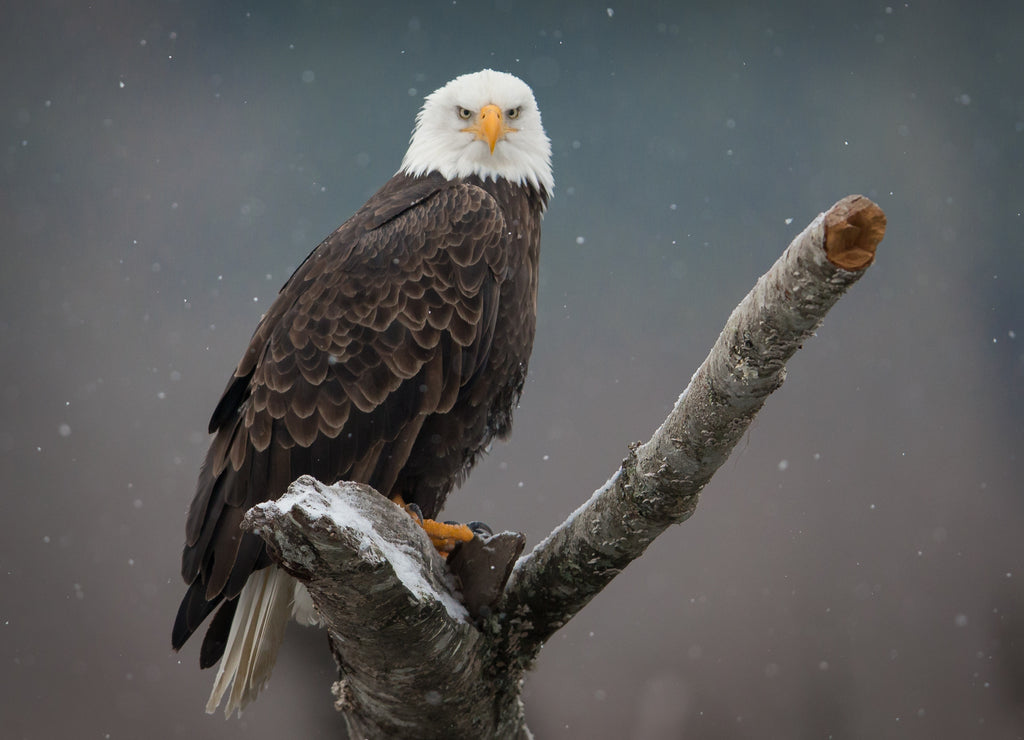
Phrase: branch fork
(413, 661)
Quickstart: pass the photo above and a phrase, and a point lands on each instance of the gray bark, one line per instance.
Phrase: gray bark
(412, 663)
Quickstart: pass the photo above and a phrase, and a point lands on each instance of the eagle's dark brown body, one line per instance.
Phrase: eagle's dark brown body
(392, 357)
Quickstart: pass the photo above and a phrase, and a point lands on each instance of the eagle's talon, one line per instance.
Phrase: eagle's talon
(480, 529)
(415, 512)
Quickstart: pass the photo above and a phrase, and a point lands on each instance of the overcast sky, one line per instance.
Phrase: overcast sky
(856, 567)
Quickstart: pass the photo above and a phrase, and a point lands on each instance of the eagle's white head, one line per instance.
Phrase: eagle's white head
(487, 124)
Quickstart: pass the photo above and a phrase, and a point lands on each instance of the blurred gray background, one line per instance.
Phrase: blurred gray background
(855, 570)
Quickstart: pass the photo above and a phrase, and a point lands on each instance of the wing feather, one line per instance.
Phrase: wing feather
(378, 330)
(228, 536)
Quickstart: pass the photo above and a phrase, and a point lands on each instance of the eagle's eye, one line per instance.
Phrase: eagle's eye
(465, 114)
(513, 113)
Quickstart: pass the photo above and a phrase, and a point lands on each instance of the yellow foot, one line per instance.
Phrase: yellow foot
(443, 536)
(446, 536)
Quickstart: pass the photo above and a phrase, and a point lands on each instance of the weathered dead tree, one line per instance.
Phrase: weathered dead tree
(412, 662)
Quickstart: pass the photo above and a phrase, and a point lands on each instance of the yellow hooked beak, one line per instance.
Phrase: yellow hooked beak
(489, 125)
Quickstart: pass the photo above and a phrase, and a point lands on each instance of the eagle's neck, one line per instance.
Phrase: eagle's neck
(504, 191)
(521, 166)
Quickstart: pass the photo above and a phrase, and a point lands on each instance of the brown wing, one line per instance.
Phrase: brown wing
(386, 323)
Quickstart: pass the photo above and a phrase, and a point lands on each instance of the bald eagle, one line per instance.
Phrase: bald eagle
(392, 356)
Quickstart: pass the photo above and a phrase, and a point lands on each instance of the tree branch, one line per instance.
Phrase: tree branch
(410, 659)
(412, 663)
(659, 482)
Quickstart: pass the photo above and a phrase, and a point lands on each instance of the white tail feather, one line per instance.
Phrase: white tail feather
(257, 630)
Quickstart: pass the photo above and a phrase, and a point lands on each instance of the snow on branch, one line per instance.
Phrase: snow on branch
(402, 639)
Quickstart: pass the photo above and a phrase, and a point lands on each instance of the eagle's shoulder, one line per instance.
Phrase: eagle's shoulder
(424, 251)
